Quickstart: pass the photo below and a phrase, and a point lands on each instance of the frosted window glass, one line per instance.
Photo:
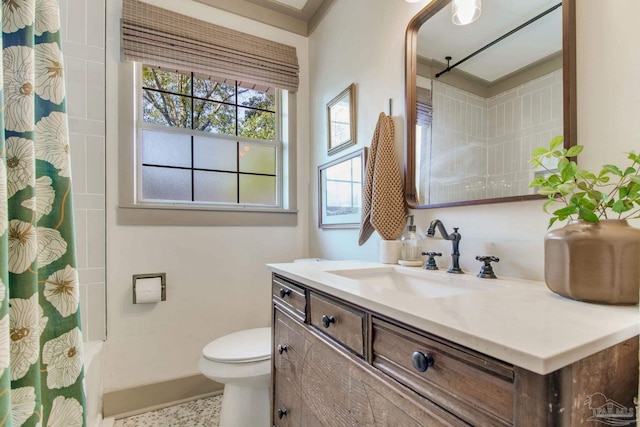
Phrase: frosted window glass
(165, 184)
(215, 187)
(258, 189)
(166, 149)
(212, 153)
(256, 158)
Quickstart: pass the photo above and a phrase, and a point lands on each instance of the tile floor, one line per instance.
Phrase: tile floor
(198, 413)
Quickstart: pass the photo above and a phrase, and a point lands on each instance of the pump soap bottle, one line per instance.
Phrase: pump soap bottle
(411, 250)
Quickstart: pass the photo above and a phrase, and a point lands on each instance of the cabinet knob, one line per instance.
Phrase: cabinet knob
(282, 412)
(284, 292)
(327, 320)
(282, 348)
(421, 361)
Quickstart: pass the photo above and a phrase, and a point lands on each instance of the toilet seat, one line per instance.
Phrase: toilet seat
(251, 345)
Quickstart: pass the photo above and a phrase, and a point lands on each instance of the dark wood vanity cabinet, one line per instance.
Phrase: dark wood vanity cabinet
(335, 364)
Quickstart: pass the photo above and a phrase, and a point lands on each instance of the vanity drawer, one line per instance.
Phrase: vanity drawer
(476, 388)
(342, 323)
(289, 296)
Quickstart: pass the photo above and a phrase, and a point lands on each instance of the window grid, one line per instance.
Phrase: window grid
(237, 138)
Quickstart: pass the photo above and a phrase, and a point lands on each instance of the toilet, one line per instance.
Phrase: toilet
(242, 362)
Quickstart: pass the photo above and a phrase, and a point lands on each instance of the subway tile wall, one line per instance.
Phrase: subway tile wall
(459, 148)
(83, 47)
(520, 120)
(481, 147)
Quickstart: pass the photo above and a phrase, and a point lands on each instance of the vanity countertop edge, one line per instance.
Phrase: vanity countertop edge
(521, 322)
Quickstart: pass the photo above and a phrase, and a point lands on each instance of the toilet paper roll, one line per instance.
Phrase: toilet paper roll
(148, 290)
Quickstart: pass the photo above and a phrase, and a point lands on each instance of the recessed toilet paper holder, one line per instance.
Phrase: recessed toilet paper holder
(163, 284)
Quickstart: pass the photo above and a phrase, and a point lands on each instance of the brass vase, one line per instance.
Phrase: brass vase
(594, 262)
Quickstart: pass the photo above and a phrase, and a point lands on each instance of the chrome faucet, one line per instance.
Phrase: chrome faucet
(455, 241)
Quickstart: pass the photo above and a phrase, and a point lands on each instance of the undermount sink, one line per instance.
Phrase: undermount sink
(420, 283)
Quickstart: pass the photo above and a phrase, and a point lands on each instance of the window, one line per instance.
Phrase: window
(202, 150)
(206, 141)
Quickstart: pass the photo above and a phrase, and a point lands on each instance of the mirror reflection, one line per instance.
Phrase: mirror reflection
(485, 95)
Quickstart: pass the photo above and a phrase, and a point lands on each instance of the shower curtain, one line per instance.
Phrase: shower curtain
(41, 364)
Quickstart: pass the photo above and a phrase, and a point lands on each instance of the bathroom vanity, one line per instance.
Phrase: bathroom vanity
(377, 345)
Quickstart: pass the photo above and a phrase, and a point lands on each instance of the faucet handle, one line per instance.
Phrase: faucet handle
(486, 271)
(431, 261)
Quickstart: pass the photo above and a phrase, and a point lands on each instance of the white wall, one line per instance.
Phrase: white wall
(216, 276)
(83, 45)
(217, 281)
(362, 41)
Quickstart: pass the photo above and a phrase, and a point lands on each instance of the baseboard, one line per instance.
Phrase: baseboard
(136, 400)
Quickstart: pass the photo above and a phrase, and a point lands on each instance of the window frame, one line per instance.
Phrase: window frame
(132, 210)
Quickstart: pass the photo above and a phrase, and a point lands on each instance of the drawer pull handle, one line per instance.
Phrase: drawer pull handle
(422, 361)
(282, 348)
(285, 292)
(281, 413)
(327, 320)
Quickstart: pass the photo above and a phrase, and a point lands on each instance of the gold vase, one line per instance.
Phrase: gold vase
(594, 262)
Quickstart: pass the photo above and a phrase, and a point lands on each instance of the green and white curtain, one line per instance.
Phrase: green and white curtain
(41, 363)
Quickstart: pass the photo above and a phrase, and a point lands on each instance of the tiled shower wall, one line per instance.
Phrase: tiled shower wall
(459, 148)
(520, 120)
(83, 47)
(482, 146)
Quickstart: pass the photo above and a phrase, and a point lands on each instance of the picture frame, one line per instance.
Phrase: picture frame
(340, 186)
(341, 120)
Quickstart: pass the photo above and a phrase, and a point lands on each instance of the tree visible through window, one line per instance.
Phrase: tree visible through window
(208, 140)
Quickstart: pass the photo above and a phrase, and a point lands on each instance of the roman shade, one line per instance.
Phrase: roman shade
(424, 106)
(160, 37)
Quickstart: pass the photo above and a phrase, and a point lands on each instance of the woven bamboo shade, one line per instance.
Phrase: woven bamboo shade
(424, 106)
(159, 37)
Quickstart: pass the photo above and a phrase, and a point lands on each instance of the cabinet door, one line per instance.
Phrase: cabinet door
(290, 349)
(287, 404)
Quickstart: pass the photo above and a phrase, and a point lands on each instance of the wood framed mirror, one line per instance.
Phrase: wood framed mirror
(508, 86)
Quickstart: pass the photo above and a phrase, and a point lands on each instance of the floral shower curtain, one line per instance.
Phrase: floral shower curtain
(41, 364)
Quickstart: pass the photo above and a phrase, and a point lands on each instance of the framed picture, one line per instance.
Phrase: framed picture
(341, 120)
(340, 191)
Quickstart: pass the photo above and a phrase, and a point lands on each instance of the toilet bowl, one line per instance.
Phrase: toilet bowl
(242, 362)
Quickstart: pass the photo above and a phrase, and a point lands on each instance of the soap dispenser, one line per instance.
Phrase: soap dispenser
(411, 249)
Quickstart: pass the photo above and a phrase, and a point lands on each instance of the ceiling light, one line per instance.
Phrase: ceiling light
(465, 11)
(413, 1)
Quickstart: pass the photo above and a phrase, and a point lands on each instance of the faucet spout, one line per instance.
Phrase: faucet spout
(454, 237)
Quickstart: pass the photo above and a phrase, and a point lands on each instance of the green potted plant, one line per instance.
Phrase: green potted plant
(596, 256)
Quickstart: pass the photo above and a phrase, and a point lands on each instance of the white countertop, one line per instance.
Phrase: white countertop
(518, 321)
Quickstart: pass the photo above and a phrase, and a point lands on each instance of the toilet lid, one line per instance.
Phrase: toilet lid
(251, 345)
